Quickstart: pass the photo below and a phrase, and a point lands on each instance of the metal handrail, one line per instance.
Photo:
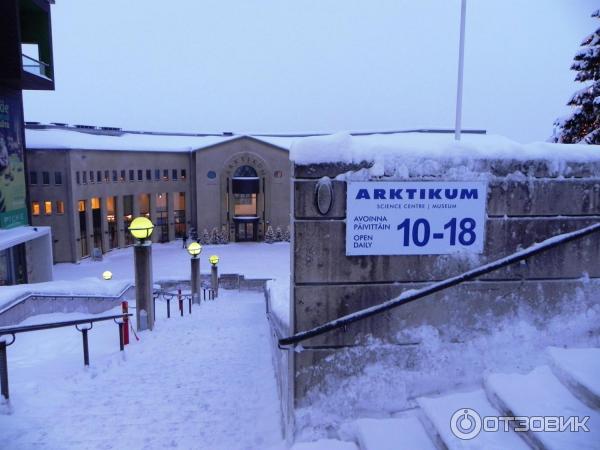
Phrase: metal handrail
(13, 331)
(410, 296)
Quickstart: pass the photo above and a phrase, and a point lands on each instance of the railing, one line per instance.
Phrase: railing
(411, 296)
(35, 67)
(207, 293)
(13, 331)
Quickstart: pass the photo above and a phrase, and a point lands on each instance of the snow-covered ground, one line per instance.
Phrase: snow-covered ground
(172, 262)
(203, 381)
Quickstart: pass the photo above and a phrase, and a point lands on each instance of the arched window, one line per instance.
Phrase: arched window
(245, 172)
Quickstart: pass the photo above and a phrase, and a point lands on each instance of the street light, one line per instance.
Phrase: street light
(141, 229)
(194, 249)
(107, 274)
(214, 274)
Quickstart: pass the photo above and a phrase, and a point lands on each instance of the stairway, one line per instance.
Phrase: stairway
(568, 386)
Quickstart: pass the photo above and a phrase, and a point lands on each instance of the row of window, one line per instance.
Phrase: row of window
(115, 176)
(58, 207)
(33, 178)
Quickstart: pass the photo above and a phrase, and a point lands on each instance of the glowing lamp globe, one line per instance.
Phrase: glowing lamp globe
(107, 274)
(141, 228)
(194, 249)
(214, 260)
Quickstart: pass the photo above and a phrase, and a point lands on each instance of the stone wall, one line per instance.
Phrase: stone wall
(527, 203)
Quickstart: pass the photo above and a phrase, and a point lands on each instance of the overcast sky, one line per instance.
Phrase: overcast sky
(312, 65)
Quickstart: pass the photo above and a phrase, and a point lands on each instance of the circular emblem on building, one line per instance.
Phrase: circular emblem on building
(211, 174)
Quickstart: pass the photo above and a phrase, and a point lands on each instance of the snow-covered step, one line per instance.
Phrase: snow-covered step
(540, 393)
(325, 444)
(579, 370)
(406, 433)
(440, 411)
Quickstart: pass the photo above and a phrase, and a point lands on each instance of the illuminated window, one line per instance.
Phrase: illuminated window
(95, 203)
(60, 207)
(81, 205)
(35, 208)
(48, 208)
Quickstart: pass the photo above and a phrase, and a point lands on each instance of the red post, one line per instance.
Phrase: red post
(180, 301)
(125, 308)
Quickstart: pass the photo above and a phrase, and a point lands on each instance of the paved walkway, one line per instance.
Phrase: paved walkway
(200, 382)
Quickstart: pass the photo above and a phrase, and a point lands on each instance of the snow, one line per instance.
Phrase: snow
(172, 262)
(279, 299)
(88, 287)
(325, 444)
(580, 364)
(540, 393)
(439, 411)
(388, 434)
(14, 236)
(408, 151)
(53, 138)
(200, 381)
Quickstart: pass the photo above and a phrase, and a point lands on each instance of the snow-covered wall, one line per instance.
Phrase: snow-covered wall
(533, 192)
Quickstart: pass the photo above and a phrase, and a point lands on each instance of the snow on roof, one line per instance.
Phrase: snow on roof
(56, 138)
(14, 236)
(416, 148)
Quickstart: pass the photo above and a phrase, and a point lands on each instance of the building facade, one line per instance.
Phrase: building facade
(88, 184)
(25, 63)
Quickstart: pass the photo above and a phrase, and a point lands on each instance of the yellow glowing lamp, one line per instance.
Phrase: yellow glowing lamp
(107, 274)
(194, 249)
(141, 228)
(214, 260)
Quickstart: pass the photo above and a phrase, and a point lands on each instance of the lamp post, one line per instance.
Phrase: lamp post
(214, 274)
(141, 229)
(107, 275)
(194, 249)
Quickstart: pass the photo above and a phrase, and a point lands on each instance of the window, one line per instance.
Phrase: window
(174, 174)
(132, 175)
(45, 177)
(95, 203)
(77, 177)
(245, 172)
(58, 178)
(91, 176)
(84, 179)
(98, 176)
(156, 174)
(166, 175)
(33, 178)
(148, 175)
(114, 176)
(122, 178)
(140, 174)
(35, 208)
(60, 207)
(106, 177)
(81, 205)
(183, 174)
(48, 208)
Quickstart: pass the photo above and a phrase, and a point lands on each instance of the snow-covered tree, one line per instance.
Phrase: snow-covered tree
(224, 235)
(583, 125)
(278, 234)
(286, 234)
(269, 235)
(205, 237)
(214, 236)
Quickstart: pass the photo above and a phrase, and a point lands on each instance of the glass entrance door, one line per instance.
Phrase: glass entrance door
(246, 230)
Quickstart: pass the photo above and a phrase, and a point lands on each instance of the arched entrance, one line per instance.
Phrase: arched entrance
(245, 192)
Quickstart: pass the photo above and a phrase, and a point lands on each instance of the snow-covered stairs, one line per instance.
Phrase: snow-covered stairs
(568, 386)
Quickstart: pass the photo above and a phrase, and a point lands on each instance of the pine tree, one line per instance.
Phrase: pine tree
(205, 238)
(214, 236)
(278, 234)
(583, 125)
(287, 234)
(269, 235)
(224, 235)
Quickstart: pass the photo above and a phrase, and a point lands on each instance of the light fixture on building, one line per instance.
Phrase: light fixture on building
(107, 274)
(194, 249)
(141, 228)
(214, 260)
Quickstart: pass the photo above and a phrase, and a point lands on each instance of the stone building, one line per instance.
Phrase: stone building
(88, 183)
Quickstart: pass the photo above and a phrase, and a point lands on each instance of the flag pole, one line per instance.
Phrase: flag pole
(461, 62)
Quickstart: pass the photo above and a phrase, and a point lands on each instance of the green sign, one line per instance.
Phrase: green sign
(13, 209)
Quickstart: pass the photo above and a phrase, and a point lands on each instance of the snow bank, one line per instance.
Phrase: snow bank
(386, 150)
(83, 287)
(381, 378)
(279, 299)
